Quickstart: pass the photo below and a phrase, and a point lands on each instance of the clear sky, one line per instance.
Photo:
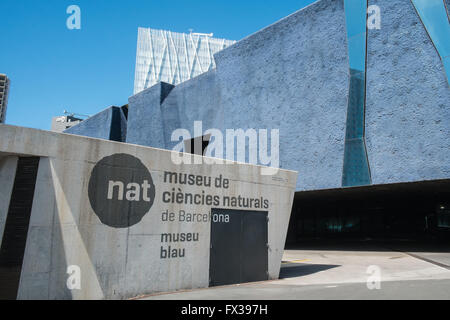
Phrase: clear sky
(85, 71)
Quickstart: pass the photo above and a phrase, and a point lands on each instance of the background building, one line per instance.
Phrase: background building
(173, 57)
(4, 89)
(62, 123)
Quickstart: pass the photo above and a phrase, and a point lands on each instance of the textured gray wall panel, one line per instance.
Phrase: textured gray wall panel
(408, 100)
(293, 76)
(8, 166)
(198, 99)
(97, 126)
(274, 79)
(145, 122)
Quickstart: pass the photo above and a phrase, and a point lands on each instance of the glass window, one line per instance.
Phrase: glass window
(436, 21)
(356, 17)
(356, 170)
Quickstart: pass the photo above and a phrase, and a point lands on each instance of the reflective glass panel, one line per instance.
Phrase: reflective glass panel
(433, 14)
(356, 170)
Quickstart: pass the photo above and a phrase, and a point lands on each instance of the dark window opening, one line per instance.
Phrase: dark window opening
(197, 145)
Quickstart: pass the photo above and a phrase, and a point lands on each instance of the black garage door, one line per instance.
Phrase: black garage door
(239, 247)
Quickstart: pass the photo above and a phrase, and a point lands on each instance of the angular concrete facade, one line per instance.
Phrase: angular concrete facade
(68, 229)
(294, 76)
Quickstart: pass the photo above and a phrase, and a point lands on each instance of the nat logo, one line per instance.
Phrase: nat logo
(121, 190)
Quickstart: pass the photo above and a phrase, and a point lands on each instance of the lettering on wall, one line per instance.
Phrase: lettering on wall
(173, 245)
(121, 190)
(176, 195)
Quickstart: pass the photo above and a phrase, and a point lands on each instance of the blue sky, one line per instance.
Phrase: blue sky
(84, 71)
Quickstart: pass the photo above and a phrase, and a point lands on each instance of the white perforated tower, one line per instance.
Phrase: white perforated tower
(173, 57)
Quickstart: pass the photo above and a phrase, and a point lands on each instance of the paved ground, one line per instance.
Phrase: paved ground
(334, 273)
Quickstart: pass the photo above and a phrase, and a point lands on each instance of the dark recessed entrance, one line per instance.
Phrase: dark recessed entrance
(239, 247)
(16, 227)
(408, 211)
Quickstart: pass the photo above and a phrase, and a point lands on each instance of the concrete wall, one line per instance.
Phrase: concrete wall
(109, 124)
(8, 165)
(123, 262)
(408, 100)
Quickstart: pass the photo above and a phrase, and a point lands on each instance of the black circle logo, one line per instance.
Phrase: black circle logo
(121, 190)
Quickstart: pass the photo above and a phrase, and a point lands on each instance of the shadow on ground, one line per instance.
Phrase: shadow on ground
(294, 270)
